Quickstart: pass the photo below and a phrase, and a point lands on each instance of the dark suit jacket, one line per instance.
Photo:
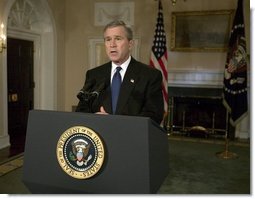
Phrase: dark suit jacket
(140, 95)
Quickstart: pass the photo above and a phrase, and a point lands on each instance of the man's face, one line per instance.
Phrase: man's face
(117, 45)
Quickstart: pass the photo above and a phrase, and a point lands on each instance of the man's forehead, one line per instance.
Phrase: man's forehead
(114, 36)
(119, 29)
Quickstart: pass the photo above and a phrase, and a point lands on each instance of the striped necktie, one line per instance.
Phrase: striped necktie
(116, 83)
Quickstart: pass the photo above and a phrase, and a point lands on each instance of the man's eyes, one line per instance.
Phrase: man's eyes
(115, 38)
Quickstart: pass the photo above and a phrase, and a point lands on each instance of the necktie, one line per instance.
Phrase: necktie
(116, 83)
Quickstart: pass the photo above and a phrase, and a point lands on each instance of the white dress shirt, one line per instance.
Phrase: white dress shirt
(124, 67)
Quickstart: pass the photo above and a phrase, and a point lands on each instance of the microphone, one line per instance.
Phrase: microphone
(84, 94)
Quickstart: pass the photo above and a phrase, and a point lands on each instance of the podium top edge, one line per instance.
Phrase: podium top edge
(92, 114)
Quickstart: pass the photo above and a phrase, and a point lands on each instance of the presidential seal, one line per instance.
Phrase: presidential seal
(80, 152)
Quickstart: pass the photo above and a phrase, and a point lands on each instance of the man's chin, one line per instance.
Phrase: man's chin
(116, 61)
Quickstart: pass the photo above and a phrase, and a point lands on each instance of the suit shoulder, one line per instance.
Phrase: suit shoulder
(102, 67)
(148, 68)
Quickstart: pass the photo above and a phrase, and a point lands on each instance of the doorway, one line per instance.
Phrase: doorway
(31, 20)
(20, 83)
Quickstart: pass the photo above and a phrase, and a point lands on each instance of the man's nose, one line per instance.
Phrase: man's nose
(113, 43)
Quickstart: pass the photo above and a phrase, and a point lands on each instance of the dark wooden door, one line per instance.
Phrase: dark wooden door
(20, 89)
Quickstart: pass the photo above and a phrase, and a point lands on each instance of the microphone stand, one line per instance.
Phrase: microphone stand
(87, 98)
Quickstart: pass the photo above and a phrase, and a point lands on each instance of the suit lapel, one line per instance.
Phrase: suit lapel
(129, 81)
(107, 100)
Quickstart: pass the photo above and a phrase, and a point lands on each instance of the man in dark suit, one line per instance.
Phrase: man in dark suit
(140, 88)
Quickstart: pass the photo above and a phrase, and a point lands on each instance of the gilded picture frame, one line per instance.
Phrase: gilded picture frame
(201, 30)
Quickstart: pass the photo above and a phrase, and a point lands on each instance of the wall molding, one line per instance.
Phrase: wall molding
(4, 141)
(107, 12)
(198, 78)
(97, 55)
(195, 78)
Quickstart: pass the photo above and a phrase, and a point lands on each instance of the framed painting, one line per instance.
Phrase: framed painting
(201, 30)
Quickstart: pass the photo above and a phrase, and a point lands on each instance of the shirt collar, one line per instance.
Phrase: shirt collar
(124, 66)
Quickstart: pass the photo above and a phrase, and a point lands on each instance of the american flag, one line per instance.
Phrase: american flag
(159, 53)
(235, 74)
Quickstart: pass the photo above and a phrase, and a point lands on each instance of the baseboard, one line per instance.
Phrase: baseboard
(4, 141)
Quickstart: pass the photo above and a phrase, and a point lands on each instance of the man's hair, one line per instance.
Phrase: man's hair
(116, 23)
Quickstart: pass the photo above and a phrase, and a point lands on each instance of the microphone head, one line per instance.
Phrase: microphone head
(83, 94)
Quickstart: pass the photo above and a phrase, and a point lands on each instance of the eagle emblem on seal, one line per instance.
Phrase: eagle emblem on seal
(80, 152)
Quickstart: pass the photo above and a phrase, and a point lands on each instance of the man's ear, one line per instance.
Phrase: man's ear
(131, 44)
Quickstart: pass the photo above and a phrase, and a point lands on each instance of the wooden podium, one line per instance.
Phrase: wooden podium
(135, 154)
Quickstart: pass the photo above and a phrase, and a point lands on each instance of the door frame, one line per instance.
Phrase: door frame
(45, 61)
(35, 38)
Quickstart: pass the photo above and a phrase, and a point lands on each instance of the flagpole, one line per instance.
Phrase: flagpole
(169, 125)
(226, 154)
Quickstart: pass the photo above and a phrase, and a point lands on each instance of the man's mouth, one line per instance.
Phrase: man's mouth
(113, 51)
